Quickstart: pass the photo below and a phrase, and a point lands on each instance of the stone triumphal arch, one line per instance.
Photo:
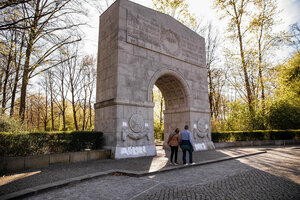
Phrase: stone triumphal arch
(139, 48)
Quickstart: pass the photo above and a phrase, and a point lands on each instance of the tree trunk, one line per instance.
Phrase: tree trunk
(51, 100)
(18, 64)
(84, 116)
(244, 66)
(38, 114)
(90, 109)
(25, 82)
(260, 75)
(26, 70)
(46, 111)
(161, 112)
(211, 93)
(64, 114)
(84, 108)
(6, 76)
(1, 76)
(63, 111)
(74, 108)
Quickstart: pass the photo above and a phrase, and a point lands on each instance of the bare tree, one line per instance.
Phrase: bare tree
(52, 97)
(236, 11)
(294, 40)
(102, 5)
(18, 59)
(61, 78)
(47, 21)
(9, 19)
(88, 85)
(7, 68)
(261, 25)
(74, 79)
(45, 86)
(211, 58)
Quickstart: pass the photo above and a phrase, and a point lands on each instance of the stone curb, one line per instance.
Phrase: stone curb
(37, 189)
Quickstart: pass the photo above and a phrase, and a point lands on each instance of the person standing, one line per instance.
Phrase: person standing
(173, 142)
(186, 144)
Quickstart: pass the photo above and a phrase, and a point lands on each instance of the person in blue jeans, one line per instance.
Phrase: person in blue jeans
(186, 144)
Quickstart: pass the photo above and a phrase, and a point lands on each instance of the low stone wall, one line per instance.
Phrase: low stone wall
(11, 164)
(219, 145)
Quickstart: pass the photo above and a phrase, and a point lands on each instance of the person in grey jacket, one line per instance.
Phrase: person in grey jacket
(186, 144)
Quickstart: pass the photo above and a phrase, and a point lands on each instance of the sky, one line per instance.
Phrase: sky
(203, 9)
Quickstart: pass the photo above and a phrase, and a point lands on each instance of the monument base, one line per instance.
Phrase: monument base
(135, 151)
(202, 146)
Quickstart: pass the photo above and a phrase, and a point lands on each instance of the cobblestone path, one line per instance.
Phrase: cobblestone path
(273, 175)
(253, 184)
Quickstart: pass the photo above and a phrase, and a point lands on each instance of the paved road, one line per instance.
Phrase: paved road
(272, 175)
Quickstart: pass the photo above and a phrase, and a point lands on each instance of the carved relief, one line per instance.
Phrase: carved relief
(136, 123)
(137, 128)
(170, 41)
(203, 125)
(201, 130)
(135, 136)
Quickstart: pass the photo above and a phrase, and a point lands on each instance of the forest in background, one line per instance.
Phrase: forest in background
(47, 82)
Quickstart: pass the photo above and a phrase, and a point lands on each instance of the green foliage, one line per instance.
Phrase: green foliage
(284, 115)
(8, 124)
(158, 131)
(289, 78)
(231, 136)
(284, 110)
(158, 114)
(238, 116)
(23, 144)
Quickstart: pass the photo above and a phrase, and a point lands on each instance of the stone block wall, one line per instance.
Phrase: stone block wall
(146, 48)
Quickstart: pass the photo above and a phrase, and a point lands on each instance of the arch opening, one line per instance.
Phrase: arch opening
(176, 100)
(158, 114)
(173, 92)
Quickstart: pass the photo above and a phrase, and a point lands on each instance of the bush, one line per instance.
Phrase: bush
(231, 136)
(8, 124)
(284, 115)
(23, 144)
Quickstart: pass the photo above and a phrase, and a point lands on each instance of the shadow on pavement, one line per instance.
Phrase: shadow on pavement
(55, 173)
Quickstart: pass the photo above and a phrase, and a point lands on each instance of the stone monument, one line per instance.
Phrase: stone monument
(139, 48)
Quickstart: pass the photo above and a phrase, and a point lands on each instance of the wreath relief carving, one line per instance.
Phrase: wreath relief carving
(201, 130)
(170, 41)
(137, 128)
(136, 123)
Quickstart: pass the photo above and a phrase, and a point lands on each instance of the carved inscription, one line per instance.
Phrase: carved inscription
(152, 34)
(143, 32)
